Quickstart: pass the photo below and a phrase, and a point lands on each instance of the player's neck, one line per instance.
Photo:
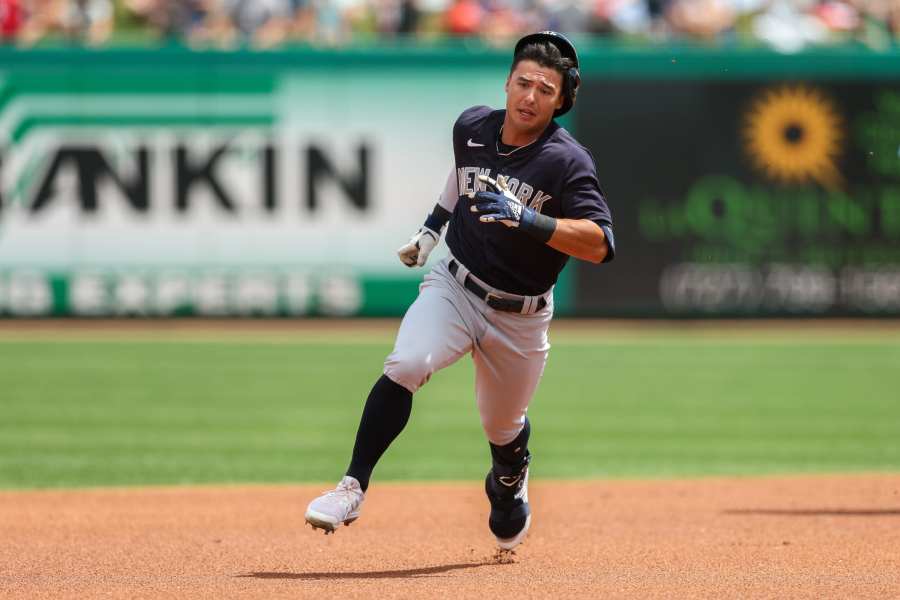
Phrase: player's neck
(510, 136)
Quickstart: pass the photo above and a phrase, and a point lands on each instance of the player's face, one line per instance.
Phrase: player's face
(533, 93)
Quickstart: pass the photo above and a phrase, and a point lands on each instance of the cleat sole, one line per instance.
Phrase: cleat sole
(323, 525)
(327, 526)
(510, 543)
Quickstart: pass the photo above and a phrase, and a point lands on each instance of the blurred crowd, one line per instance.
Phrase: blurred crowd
(787, 25)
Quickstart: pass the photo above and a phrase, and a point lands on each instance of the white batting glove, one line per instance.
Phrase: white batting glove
(415, 253)
(500, 185)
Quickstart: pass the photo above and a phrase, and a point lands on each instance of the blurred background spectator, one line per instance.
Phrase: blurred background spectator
(11, 17)
(786, 25)
(81, 21)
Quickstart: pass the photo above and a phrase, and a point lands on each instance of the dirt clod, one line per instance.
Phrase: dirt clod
(504, 557)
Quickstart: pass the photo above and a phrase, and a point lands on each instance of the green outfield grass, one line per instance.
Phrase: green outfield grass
(82, 413)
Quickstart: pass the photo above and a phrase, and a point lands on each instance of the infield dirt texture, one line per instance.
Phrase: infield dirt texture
(772, 452)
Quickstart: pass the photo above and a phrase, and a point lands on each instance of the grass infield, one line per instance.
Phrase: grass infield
(138, 410)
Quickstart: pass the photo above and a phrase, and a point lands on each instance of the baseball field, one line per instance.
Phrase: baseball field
(161, 459)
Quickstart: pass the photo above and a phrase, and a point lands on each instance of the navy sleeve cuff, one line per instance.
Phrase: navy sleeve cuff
(610, 241)
(437, 219)
(538, 226)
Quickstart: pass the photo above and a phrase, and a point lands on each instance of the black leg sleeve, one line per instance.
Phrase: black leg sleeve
(385, 415)
(513, 453)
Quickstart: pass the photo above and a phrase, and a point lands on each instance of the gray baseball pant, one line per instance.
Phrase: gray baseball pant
(509, 350)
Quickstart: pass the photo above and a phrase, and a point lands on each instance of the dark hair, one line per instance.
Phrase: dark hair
(545, 54)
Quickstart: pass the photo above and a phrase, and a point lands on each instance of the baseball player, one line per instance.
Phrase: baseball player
(523, 197)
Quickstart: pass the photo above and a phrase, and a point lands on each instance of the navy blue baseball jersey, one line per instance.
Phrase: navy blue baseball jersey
(555, 175)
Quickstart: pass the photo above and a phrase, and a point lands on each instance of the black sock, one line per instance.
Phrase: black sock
(384, 417)
(514, 453)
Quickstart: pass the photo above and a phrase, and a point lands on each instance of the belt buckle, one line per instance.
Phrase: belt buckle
(491, 296)
(494, 301)
(500, 303)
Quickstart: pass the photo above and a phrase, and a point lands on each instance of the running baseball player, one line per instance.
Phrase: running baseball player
(523, 197)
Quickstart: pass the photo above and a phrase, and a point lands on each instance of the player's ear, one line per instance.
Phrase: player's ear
(560, 99)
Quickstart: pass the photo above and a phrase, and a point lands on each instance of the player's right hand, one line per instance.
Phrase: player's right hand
(415, 253)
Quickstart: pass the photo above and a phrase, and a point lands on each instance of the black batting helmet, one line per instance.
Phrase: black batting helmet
(571, 78)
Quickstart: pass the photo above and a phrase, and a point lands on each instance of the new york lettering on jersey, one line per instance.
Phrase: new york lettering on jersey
(468, 183)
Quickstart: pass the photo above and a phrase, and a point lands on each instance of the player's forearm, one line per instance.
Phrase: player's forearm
(445, 205)
(580, 238)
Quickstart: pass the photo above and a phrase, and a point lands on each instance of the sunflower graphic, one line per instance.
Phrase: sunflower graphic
(793, 134)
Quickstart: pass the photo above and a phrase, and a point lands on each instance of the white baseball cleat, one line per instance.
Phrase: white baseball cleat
(340, 505)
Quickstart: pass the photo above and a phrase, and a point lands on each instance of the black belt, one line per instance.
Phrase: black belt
(493, 300)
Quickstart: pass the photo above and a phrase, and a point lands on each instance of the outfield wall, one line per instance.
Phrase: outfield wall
(170, 182)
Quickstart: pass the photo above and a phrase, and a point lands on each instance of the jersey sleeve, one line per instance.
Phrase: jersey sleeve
(450, 194)
(582, 198)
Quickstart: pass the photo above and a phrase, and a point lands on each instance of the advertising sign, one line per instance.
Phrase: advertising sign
(747, 197)
(179, 189)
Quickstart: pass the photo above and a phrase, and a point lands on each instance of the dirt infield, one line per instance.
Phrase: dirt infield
(802, 537)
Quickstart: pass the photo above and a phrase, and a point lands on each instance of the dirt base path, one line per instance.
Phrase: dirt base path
(803, 537)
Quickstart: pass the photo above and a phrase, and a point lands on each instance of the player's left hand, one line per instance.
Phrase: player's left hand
(502, 205)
